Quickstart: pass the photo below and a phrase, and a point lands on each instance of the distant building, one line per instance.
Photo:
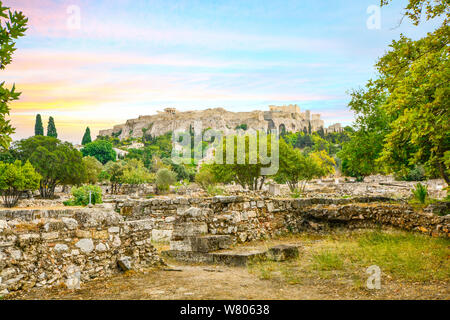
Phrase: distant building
(170, 110)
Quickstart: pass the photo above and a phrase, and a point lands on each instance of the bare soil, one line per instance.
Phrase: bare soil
(203, 282)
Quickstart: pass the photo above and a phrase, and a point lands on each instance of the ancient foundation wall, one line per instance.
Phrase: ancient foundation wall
(66, 246)
(46, 248)
(253, 219)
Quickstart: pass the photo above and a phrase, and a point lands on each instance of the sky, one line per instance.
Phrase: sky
(99, 63)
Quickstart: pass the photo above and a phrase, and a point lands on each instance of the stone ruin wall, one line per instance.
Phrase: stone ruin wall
(45, 248)
(66, 247)
(247, 220)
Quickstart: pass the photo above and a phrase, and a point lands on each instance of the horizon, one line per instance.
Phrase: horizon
(130, 58)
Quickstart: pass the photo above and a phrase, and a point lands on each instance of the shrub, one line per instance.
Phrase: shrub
(420, 193)
(93, 169)
(164, 179)
(296, 193)
(16, 178)
(417, 173)
(81, 195)
(205, 178)
(215, 191)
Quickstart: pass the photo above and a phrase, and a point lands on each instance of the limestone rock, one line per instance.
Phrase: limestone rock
(85, 245)
(124, 263)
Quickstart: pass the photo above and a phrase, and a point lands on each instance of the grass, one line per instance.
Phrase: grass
(401, 256)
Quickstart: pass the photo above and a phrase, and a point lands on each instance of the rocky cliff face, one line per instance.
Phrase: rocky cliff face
(217, 119)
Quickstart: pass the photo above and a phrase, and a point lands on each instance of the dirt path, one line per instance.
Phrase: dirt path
(203, 282)
(188, 282)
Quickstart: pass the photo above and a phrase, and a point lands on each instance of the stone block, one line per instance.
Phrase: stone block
(210, 243)
(85, 245)
(161, 235)
(283, 252)
(124, 263)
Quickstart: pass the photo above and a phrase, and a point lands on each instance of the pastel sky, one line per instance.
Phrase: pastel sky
(134, 57)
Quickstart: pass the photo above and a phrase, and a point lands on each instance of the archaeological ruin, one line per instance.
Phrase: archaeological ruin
(287, 118)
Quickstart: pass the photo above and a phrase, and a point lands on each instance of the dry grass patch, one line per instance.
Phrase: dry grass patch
(344, 258)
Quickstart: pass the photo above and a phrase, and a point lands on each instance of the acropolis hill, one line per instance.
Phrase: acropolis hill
(288, 117)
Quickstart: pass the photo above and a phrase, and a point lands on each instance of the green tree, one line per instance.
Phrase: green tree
(296, 168)
(51, 128)
(413, 95)
(359, 155)
(417, 9)
(38, 127)
(114, 171)
(12, 26)
(16, 178)
(246, 172)
(135, 173)
(205, 178)
(93, 169)
(164, 179)
(416, 75)
(100, 149)
(59, 163)
(86, 137)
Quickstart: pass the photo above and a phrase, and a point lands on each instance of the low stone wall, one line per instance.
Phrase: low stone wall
(252, 219)
(324, 217)
(66, 246)
(69, 247)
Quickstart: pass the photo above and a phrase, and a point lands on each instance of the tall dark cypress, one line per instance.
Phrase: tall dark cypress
(38, 127)
(87, 137)
(51, 128)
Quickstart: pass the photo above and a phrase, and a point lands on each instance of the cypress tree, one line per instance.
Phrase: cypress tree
(87, 137)
(51, 128)
(38, 127)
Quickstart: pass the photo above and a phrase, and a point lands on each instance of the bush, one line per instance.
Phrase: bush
(93, 169)
(215, 191)
(205, 178)
(296, 193)
(164, 179)
(16, 178)
(81, 196)
(417, 173)
(420, 193)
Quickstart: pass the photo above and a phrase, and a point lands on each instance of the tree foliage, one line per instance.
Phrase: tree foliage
(416, 75)
(135, 173)
(405, 112)
(164, 179)
(86, 137)
(416, 9)
(83, 194)
(12, 26)
(246, 171)
(59, 163)
(38, 127)
(205, 177)
(16, 178)
(93, 169)
(51, 128)
(100, 149)
(296, 168)
(114, 172)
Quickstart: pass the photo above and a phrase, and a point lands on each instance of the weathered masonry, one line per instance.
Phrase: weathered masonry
(49, 247)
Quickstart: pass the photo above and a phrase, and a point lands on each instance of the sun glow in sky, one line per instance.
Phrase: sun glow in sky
(134, 57)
